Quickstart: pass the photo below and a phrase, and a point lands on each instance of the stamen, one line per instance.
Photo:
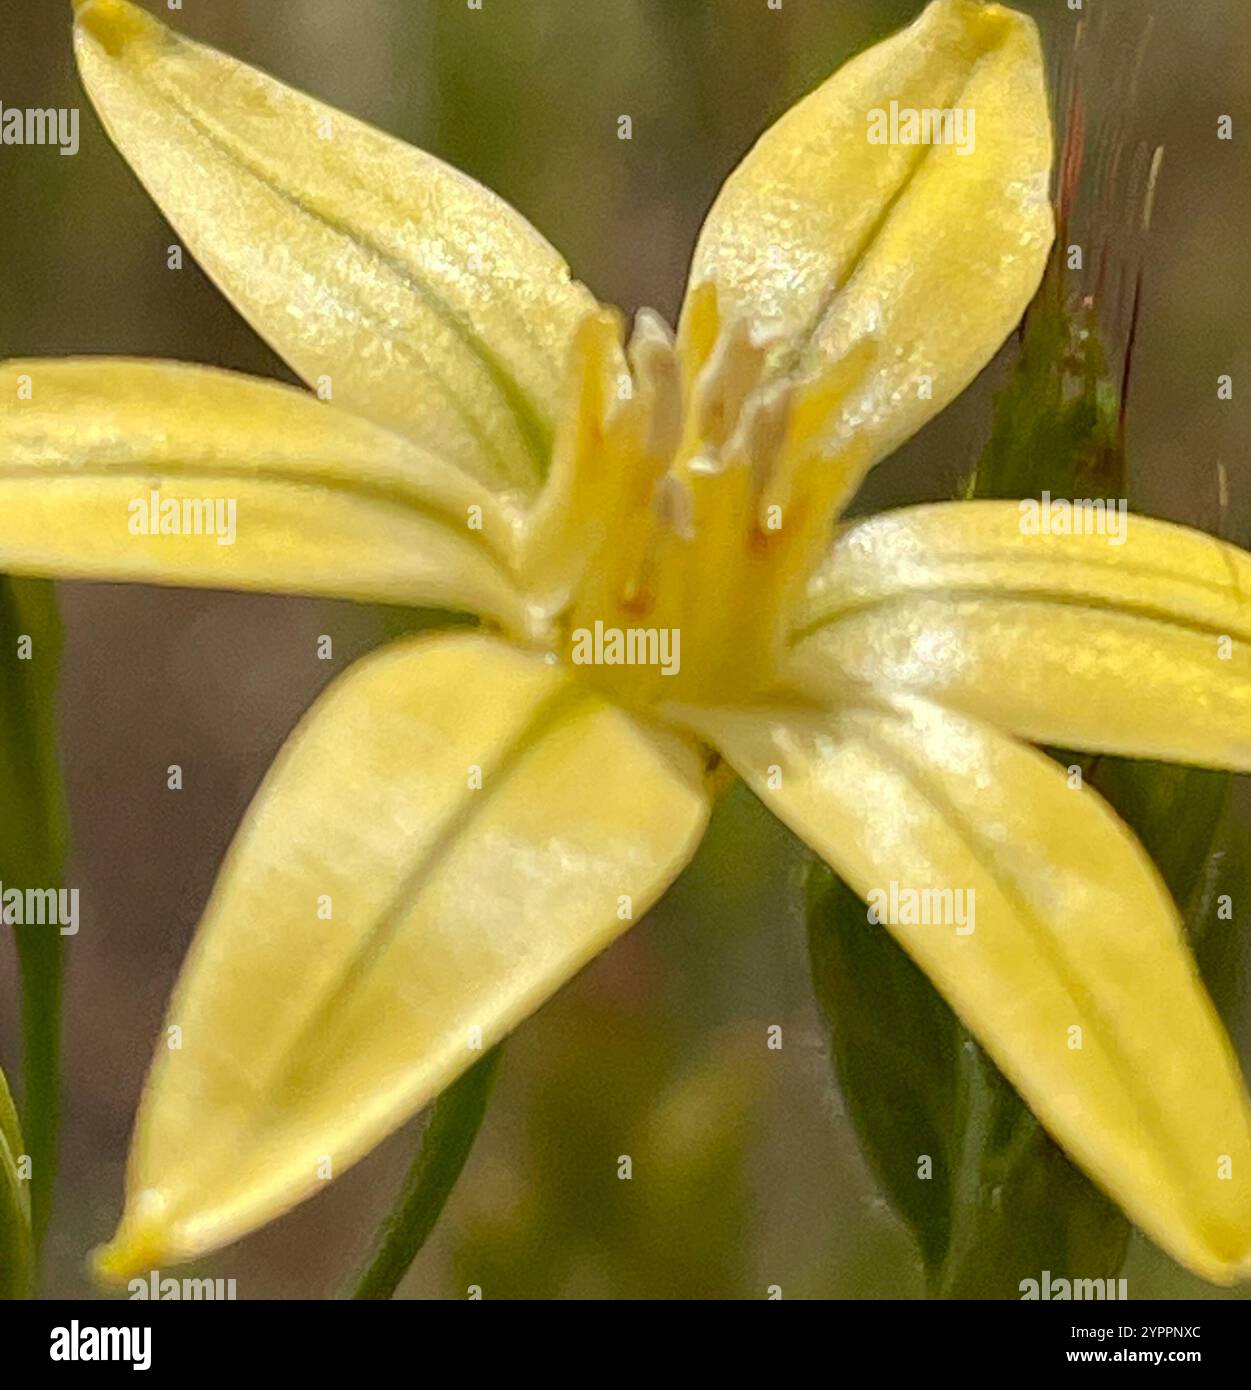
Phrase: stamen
(708, 500)
(655, 366)
(675, 507)
(759, 435)
(726, 382)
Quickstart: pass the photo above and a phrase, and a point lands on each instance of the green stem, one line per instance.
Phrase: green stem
(33, 841)
(17, 1247)
(445, 1146)
(40, 956)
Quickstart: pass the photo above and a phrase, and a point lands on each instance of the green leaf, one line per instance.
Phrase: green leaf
(1218, 919)
(33, 839)
(1019, 1205)
(990, 1199)
(1057, 419)
(454, 1123)
(901, 1097)
(17, 1250)
(1175, 811)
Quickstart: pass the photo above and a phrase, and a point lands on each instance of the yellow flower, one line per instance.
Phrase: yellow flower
(464, 820)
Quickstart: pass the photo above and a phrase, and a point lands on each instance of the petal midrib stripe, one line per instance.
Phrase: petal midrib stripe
(413, 502)
(316, 1029)
(803, 342)
(559, 708)
(805, 339)
(317, 1025)
(535, 434)
(922, 576)
(1041, 597)
(1050, 947)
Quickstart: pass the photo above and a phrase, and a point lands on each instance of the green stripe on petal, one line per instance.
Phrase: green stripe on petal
(935, 249)
(95, 452)
(1075, 978)
(429, 304)
(1139, 646)
(454, 830)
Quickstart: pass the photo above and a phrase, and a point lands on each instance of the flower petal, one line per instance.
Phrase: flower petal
(1141, 648)
(431, 305)
(1073, 930)
(320, 501)
(935, 250)
(376, 910)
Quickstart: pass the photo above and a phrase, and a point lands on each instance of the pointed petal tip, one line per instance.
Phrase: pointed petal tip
(141, 1243)
(112, 23)
(1220, 1269)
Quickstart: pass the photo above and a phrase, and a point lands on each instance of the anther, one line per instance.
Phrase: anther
(655, 367)
(725, 383)
(760, 433)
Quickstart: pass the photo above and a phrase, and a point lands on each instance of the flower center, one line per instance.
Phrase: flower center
(692, 490)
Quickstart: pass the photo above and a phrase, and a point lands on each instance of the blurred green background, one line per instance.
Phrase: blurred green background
(747, 1174)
